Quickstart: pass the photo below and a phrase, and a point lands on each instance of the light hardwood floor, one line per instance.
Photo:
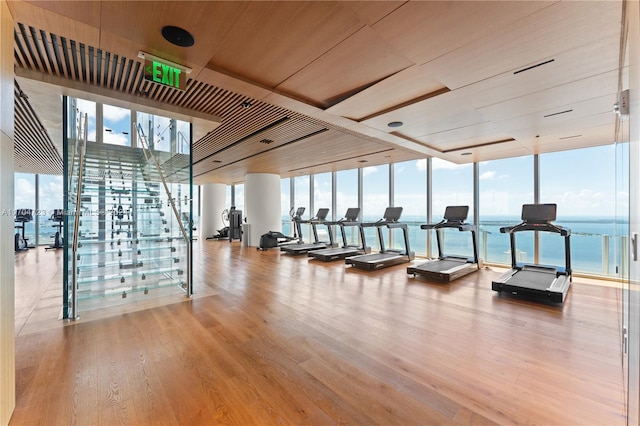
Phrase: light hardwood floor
(270, 338)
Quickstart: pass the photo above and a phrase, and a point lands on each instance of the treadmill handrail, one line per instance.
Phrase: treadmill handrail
(458, 224)
(544, 227)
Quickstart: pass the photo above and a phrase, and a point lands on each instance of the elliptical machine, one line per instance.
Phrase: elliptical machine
(223, 233)
(58, 240)
(22, 217)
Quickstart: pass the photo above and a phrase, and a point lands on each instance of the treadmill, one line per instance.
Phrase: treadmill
(449, 267)
(338, 253)
(385, 257)
(319, 219)
(550, 283)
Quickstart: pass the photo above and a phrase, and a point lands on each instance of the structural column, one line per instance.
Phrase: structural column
(211, 208)
(262, 205)
(7, 309)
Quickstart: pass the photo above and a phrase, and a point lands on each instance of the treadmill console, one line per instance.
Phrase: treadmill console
(392, 214)
(352, 214)
(456, 213)
(322, 214)
(539, 213)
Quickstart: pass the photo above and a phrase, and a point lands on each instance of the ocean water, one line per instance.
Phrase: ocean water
(597, 245)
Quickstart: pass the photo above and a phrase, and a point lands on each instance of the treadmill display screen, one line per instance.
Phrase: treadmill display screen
(456, 213)
(322, 214)
(539, 213)
(352, 214)
(392, 214)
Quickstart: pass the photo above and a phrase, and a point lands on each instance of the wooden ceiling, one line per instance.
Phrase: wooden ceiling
(324, 79)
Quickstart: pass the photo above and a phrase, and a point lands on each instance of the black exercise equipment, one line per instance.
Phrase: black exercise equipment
(274, 239)
(350, 219)
(22, 216)
(58, 239)
(549, 283)
(235, 224)
(222, 233)
(385, 257)
(449, 267)
(319, 219)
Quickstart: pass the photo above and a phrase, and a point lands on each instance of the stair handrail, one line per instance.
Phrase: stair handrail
(149, 154)
(76, 223)
(75, 149)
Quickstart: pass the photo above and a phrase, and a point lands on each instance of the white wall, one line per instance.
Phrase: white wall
(261, 205)
(211, 207)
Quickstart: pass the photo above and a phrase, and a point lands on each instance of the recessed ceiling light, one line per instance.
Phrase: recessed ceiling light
(246, 104)
(395, 124)
(178, 36)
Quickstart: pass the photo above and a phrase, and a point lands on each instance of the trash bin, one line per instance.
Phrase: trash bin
(245, 235)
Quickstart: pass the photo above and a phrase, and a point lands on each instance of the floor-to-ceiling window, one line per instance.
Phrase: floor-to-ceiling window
(49, 199)
(301, 196)
(579, 182)
(323, 198)
(410, 193)
(451, 185)
(116, 125)
(375, 199)
(347, 197)
(504, 186)
(239, 197)
(285, 205)
(25, 199)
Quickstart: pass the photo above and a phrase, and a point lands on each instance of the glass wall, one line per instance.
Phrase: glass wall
(410, 193)
(25, 198)
(452, 185)
(375, 199)
(50, 192)
(322, 198)
(504, 186)
(285, 206)
(346, 198)
(117, 125)
(586, 205)
(239, 197)
(302, 198)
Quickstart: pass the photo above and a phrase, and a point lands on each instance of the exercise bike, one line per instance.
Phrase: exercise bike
(22, 217)
(58, 239)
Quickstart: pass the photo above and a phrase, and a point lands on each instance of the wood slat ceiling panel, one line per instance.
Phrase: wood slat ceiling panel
(34, 152)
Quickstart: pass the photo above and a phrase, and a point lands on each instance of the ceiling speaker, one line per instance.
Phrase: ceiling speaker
(178, 36)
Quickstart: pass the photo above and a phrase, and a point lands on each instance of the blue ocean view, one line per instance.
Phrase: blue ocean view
(592, 240)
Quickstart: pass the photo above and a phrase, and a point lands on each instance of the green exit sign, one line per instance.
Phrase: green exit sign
(164, 72)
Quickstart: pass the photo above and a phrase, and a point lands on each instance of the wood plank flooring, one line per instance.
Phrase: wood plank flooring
(271, 338)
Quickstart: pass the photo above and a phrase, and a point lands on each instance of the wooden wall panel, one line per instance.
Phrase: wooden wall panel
(7, 320)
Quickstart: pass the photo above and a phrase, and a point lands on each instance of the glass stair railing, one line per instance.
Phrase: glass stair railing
(130, 234)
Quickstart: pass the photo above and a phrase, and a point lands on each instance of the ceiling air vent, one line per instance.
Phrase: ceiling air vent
(534, 66)
(558, 113)
(266, 141)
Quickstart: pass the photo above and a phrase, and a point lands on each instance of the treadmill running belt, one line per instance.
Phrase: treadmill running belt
(532, 279)
(441, 265)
